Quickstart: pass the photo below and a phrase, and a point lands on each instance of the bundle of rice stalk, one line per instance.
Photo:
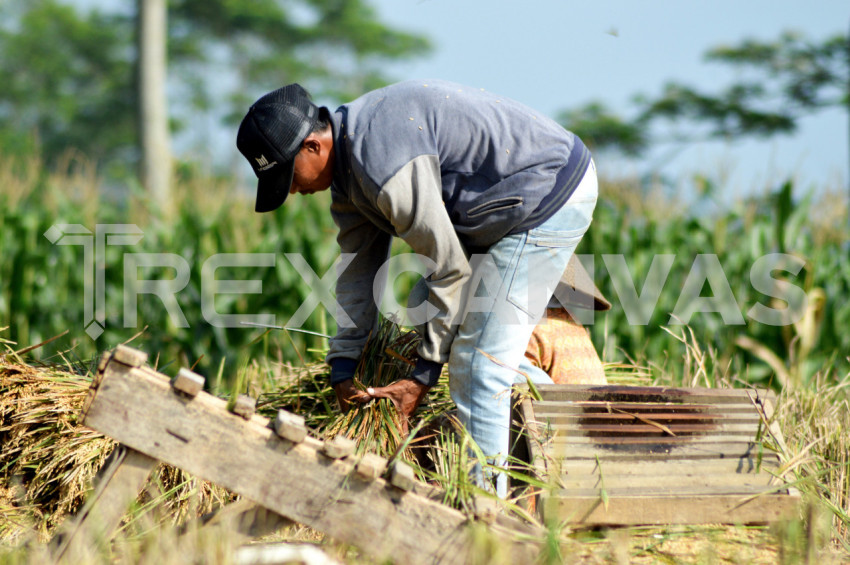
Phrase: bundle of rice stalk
(389, 355)
(48, 459)
(377, 427)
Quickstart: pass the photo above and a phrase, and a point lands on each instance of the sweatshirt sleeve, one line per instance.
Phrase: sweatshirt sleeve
(412, 201)
(354, 286)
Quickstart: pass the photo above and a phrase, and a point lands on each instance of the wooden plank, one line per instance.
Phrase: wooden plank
(663, 490)
(139, 408)
(631, 456)
(680, 482)
(627, 415)
(555, 419)
(661, 441)
(553, 407)
(655, 450)
(616, 393)
(671, 468)
(701, 509)
(685, 430)
(535, 448)
(117, 485)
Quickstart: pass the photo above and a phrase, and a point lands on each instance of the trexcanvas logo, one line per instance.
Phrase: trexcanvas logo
(263, 163)
(166, 289)
(94, 253)
(480, 294)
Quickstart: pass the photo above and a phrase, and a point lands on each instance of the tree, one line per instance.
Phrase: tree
(599, 127)
(65, 80)
(154, 139)
(782, 81)
(66, 74)
(334, 47)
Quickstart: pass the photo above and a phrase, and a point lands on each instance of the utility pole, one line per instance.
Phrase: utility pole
(154, 139)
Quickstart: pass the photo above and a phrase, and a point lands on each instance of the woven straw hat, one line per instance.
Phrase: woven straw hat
(577, 289)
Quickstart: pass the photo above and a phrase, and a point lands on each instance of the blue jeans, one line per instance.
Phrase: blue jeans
(529, 265)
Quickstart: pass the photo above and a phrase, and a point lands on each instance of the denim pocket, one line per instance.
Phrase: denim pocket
(545, 252)
(540, 265)
(555, 239)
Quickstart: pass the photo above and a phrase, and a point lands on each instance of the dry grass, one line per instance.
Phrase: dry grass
(816, 424)
(48, 461)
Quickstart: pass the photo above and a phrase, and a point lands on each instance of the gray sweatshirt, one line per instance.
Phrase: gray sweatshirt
(451, 170)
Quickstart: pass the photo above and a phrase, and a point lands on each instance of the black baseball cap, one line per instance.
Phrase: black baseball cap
(270, 137)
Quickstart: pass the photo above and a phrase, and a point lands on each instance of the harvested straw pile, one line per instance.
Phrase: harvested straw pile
(48, 460)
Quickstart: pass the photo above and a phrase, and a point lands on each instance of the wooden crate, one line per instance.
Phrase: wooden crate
(617, 455)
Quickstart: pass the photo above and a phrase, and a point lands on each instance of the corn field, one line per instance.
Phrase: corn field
(44, 284)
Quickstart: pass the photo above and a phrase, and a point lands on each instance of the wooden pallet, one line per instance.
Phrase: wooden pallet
(362, 500)
(618, 455)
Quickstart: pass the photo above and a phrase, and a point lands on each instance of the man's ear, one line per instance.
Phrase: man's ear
(311, 143)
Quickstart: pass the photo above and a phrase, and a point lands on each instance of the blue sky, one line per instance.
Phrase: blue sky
(555, 54)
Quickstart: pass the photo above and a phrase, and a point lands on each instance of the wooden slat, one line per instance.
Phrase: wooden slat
(665, 417)
(648, 394)
(682, 483)
(670, 468)
(575, 450)
(138, 408)
(117, 485)
(538, 459)
(554, 407)
(633, 429)
(654, 510)
(657, 442)
(627, 416)
(630, 456)
(663, 490)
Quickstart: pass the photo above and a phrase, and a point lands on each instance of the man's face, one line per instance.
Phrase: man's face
(312, 171)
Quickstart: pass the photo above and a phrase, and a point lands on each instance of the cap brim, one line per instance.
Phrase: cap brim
(273, 187)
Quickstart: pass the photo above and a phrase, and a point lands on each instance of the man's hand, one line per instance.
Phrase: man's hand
(405, 394)
(346, 393)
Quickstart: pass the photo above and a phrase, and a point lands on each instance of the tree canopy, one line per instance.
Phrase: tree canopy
(780, 82)
(65, 78)
(67, 73)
